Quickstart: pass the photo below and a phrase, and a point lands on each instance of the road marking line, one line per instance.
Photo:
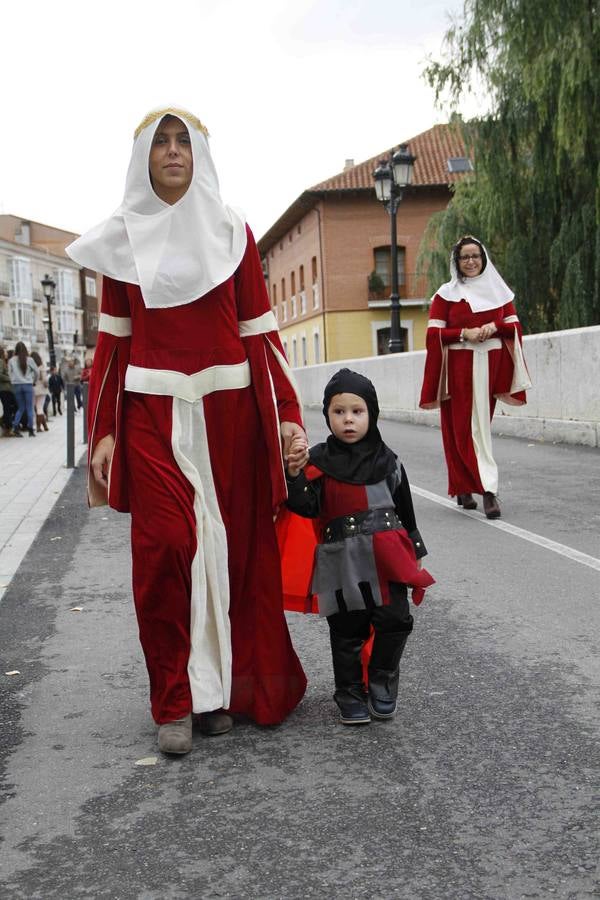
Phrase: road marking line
(530, 536)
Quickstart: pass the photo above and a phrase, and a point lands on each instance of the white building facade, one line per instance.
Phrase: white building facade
(27, 257)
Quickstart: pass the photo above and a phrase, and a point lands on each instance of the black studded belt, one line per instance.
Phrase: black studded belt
(366, 522)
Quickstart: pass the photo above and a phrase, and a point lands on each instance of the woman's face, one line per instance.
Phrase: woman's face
(171, 163)
(469, 260)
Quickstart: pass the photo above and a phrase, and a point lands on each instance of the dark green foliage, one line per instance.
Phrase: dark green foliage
(535, 197)
(376, 284)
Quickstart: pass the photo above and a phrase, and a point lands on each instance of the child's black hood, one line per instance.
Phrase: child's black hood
(369, 460)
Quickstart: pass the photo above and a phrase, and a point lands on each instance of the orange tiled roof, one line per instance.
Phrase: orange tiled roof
(432, 148)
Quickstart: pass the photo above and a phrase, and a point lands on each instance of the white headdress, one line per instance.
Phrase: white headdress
(482, 292)
(176, 253)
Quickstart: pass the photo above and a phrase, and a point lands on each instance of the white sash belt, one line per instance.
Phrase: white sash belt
(478, 346)
(167, 383)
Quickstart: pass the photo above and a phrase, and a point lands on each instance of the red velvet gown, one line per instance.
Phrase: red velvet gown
(194, 395)
(465, 379)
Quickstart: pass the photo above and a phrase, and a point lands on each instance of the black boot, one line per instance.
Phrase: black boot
(350, 694)
(384, 671)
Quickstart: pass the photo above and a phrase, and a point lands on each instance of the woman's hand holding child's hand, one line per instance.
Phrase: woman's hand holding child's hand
(297, 456)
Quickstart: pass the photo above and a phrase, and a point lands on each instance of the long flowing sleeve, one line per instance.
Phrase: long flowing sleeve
(435, 387)
(272, 379)
(513, 376)
(106, 385)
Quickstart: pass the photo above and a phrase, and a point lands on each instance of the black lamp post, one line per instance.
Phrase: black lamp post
(391, 177)
(49, 287)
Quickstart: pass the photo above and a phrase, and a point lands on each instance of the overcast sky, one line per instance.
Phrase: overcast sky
(288, 91)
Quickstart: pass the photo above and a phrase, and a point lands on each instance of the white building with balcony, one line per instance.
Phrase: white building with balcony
(28, 252)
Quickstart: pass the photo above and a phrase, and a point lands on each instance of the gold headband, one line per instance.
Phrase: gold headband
(170, 111)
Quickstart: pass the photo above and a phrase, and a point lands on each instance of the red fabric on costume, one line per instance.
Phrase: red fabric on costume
(245, 454)
(297, 539)
(458, 315)
(395, 560)
(163, 543)
(338, 498)
(448, 382)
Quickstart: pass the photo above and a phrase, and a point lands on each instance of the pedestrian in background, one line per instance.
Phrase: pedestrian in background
(40, 392)
(7, 394)
(369, 549)
(71, 374)
(474, 358)
(23, 375)
(56, 387)
(63, 365)
(77, 381)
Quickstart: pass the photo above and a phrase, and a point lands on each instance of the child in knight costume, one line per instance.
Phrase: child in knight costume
(369, 547)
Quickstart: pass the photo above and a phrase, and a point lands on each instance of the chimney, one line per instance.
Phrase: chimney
(24, 235)
(349, 164)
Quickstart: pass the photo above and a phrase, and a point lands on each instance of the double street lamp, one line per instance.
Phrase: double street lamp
(49, 287)
(391, 177)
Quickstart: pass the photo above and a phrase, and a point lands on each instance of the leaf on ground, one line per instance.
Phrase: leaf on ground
(147, 761)
(13, 672)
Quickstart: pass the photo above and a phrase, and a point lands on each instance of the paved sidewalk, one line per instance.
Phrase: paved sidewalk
(33, 473)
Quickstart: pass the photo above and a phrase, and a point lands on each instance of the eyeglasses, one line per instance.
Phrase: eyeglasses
(467, 256)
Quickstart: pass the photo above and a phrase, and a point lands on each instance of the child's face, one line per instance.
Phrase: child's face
(348, 417)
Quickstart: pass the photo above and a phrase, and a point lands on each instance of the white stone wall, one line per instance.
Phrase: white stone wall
(563, 404)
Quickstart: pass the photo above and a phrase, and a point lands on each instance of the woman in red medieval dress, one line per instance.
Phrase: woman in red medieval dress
(190, 394)
(474, 357)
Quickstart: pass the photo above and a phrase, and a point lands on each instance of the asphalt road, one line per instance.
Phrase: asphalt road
(485, 786)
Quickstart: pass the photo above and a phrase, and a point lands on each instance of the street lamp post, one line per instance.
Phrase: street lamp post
(391, 177)
(49, 287)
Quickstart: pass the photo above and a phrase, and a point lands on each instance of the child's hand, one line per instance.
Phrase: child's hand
(297, 456)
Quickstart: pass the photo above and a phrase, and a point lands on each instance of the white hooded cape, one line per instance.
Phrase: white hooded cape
(175, 253)
(483, 292)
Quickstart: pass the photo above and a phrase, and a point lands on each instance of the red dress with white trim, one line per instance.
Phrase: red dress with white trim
(194, 395)
(465, 379)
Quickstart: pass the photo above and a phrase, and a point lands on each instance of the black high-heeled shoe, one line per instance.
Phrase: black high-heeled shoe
(467, 501)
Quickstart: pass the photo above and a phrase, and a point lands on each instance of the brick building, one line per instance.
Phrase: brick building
(319, 255)
(29, 251)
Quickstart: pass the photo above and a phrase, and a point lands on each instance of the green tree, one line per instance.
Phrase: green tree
(535, 196)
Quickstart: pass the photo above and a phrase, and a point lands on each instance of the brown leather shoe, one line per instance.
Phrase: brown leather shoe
(491, 507)
(215, 722)
(176, 737)
(467, 501)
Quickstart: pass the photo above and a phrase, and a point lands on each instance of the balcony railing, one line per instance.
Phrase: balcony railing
(4, 289)
(411, 287)
(10, 333)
